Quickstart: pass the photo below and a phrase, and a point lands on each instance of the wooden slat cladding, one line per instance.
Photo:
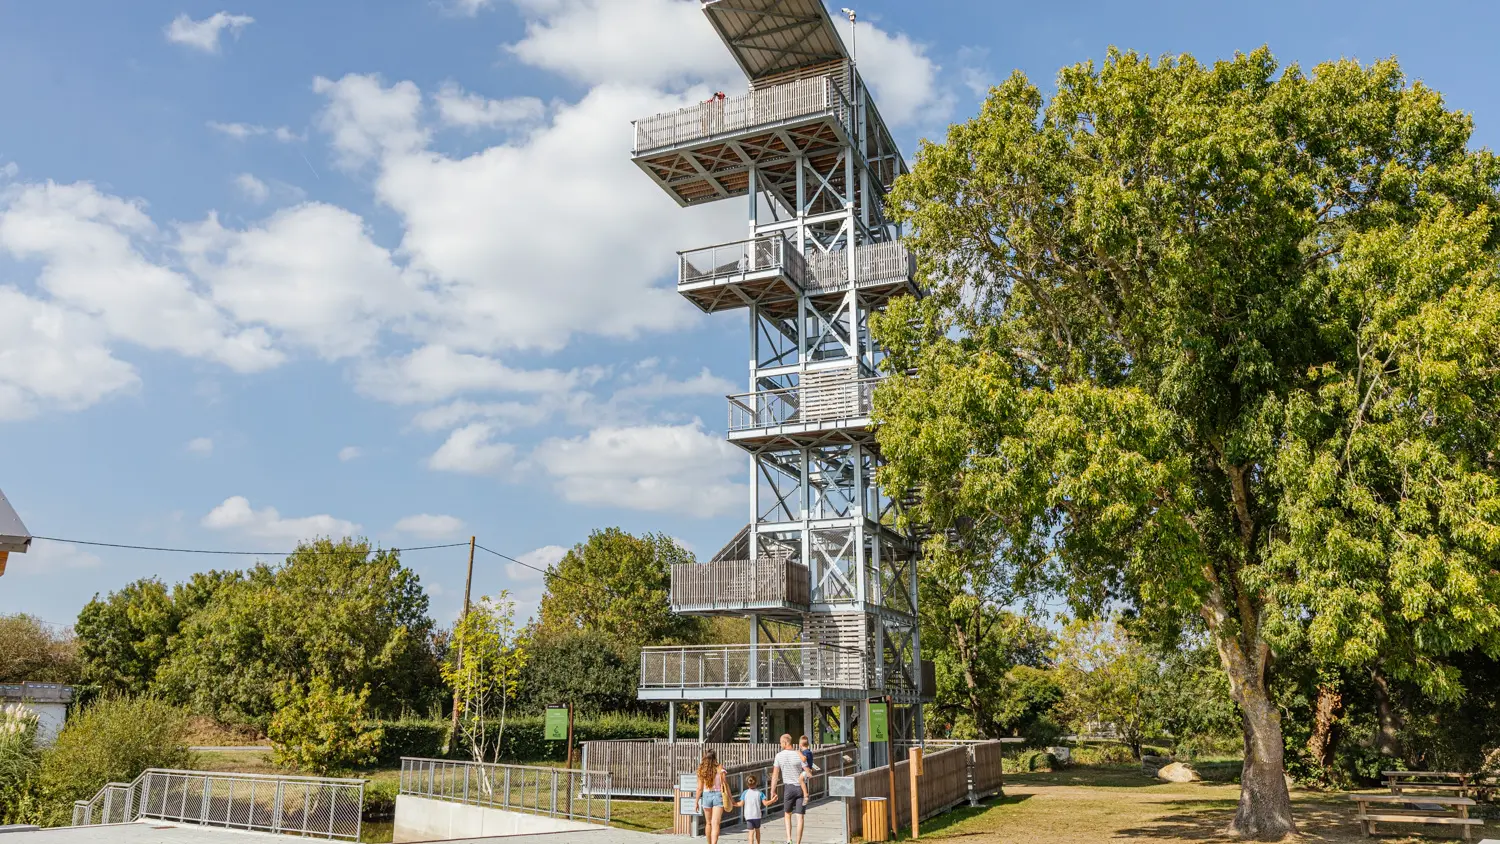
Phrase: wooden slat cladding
(739, 584)
(838, 69)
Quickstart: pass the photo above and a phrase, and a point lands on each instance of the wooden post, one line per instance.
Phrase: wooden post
(468, 582)
(570, 735)
(890, 763)
(914, 763)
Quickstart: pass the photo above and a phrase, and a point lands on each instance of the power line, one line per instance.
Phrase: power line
(223, 553)
(552, 572)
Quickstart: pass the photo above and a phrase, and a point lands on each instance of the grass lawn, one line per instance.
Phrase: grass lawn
(1081, 805)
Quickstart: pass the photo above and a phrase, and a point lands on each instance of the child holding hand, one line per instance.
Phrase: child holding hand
(753, 800)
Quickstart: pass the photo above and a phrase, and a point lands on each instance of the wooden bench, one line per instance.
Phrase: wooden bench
(1401, 782)
(1396, 808)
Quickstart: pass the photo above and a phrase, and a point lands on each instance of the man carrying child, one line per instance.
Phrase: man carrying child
(790, 768)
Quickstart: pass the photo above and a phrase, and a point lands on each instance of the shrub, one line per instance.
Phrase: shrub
(19, 763)
(322, 729)
(111, 741)
(412, 737)
(1103, 754)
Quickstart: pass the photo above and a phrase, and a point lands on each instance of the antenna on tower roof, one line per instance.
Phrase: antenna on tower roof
(853, 35)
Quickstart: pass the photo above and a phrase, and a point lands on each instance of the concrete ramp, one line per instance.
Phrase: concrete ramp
(426, 819)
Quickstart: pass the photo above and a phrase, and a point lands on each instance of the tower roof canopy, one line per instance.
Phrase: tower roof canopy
(13, 534)
(774, 36)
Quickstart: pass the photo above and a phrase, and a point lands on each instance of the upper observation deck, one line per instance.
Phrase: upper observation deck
(806, 102)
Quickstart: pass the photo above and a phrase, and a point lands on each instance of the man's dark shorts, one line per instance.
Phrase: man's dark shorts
(794, 802)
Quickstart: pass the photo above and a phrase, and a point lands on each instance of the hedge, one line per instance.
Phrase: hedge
(523, 738)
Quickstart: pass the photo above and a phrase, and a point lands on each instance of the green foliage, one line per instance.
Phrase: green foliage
(1027, 704)
(124, 638)
(1104, 675)
(617, 585)
(334, 610)
(1102, 754)
(20, 762)
(111, 741)
(524, 739)
(1187, 697)
(32, 651)
(411, 737)
(585, 669)
(322, 729)
(1215, 343)
(489, 654)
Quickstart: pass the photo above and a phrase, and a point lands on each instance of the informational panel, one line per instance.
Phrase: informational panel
(687, 782)
(556, 725)
(688, 806)
(879, 728)
(841, 786)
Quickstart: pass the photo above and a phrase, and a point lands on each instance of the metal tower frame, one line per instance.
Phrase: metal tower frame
(807, 149)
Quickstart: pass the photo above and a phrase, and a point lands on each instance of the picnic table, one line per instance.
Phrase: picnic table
(1456, 781)
(1427, 809)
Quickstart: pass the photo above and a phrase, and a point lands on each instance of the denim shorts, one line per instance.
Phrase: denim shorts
(713, 799)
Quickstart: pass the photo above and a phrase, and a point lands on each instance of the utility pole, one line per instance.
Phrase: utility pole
(468, 582)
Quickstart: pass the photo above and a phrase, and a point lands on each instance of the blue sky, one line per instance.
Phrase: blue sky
(271, 268)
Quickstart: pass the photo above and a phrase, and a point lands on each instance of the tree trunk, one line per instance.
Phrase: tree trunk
(1388, 737)
(1265, 809)
(1325, 735)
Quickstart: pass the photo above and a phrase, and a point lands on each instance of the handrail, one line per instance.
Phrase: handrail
(772, 665)
(739, 258)
(294, 805)
(823, 401)
(773, 104)
(530, 789)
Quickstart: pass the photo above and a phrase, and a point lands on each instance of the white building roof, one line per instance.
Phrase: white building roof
(13, 534)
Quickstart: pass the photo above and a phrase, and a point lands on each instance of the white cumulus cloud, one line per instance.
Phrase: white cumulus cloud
(429, 526)
(350, 452)
(205, 35)
(663, 468)
(54, 358)
(434, 373)
(472, 450)
(252, 188)
(457, 107)
(201, 446)
(541, 558)
(266, 523)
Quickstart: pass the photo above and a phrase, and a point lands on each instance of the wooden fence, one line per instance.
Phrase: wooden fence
(949, 777)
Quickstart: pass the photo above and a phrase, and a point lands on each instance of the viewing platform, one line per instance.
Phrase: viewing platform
(765, 271)
(824, 401)
(735, 587)
(771, 671)
(705, 152)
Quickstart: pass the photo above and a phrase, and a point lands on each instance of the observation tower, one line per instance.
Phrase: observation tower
(827, 581)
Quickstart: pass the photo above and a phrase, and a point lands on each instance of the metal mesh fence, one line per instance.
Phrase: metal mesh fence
(555, 792)
(317, 807)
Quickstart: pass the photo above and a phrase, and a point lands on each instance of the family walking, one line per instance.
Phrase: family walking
(792, 769)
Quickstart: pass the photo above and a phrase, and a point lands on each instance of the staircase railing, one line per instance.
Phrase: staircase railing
(316, 807)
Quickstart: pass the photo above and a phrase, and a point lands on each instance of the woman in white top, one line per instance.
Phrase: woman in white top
(710, 796)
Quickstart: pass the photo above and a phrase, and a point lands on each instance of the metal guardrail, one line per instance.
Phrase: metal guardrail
(739, 258)
(804, 403)
(873, 263)
(317, 807)
(773, 104)
(778, 665)
(736, 584)
(554, 792)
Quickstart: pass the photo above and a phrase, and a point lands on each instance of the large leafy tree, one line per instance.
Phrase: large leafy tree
(338, 610)
(618, 584)
(124, 637)
(1215, 341)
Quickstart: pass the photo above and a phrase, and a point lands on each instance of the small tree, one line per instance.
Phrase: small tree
(1104, 676)
(489, 654)
(322, 729)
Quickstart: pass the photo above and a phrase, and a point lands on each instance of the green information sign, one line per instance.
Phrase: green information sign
(879, 730)
(557, 723)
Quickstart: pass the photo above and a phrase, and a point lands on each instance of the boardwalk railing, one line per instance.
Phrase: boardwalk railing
(874, 263)
(963, 771)
(779, 665)
(737, 259)
(318, 807)
(740, 584)
(773, 104)
(819, 402)
(554, 792)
